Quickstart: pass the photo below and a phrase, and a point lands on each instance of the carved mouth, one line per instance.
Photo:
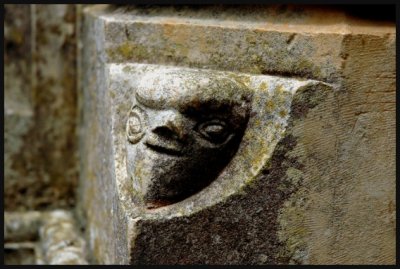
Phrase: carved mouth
(164, 148)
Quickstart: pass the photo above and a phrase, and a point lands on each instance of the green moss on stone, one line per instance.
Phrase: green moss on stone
(127, 51)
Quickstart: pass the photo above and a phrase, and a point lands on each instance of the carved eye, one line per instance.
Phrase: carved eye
(214, 131)
(134, 125)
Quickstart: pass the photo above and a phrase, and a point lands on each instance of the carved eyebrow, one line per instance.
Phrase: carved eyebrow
(207, 106)
(148, 102)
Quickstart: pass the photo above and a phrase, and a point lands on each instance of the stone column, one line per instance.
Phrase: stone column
(40, 114)
(40, 107)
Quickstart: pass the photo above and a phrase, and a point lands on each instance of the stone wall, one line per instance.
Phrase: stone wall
(326, 195)
(331, 186)
(40, 60)
(40, 114)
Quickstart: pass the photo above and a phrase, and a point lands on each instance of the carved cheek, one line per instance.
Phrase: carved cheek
(135, 125)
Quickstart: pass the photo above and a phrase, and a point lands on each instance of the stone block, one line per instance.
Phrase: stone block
(312, 180)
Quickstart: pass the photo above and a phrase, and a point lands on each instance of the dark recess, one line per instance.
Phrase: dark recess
(383, 12)
(371, 12)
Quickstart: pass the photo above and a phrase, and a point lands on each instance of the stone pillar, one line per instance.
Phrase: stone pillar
(40, 115)
(40, 107)
(258, 135)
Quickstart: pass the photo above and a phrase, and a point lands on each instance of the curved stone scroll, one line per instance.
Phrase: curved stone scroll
(186, 140)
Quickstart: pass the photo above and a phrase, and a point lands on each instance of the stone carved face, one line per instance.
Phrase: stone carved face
(182, 130)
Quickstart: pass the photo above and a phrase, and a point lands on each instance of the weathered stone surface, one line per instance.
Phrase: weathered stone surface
(255, 40)
(40, 106)
(50, 237)
(19, 227)
(228, 199)
(306, 201)
(345, 210)
(60, 242)
(18, 110)
(20, 253)
(182, 130)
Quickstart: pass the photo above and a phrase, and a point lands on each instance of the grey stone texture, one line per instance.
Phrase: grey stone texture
(268, 112)
(40, 106)
(183, 129)
(324, 193)
(20, 253)
(38, 237)
(20, 227)
(60, 242)
(309, 180)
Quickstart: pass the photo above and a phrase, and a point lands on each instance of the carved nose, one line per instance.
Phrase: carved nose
(168, 125)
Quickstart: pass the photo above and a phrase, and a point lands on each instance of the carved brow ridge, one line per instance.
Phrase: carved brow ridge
(192, 104)
(147, 102)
